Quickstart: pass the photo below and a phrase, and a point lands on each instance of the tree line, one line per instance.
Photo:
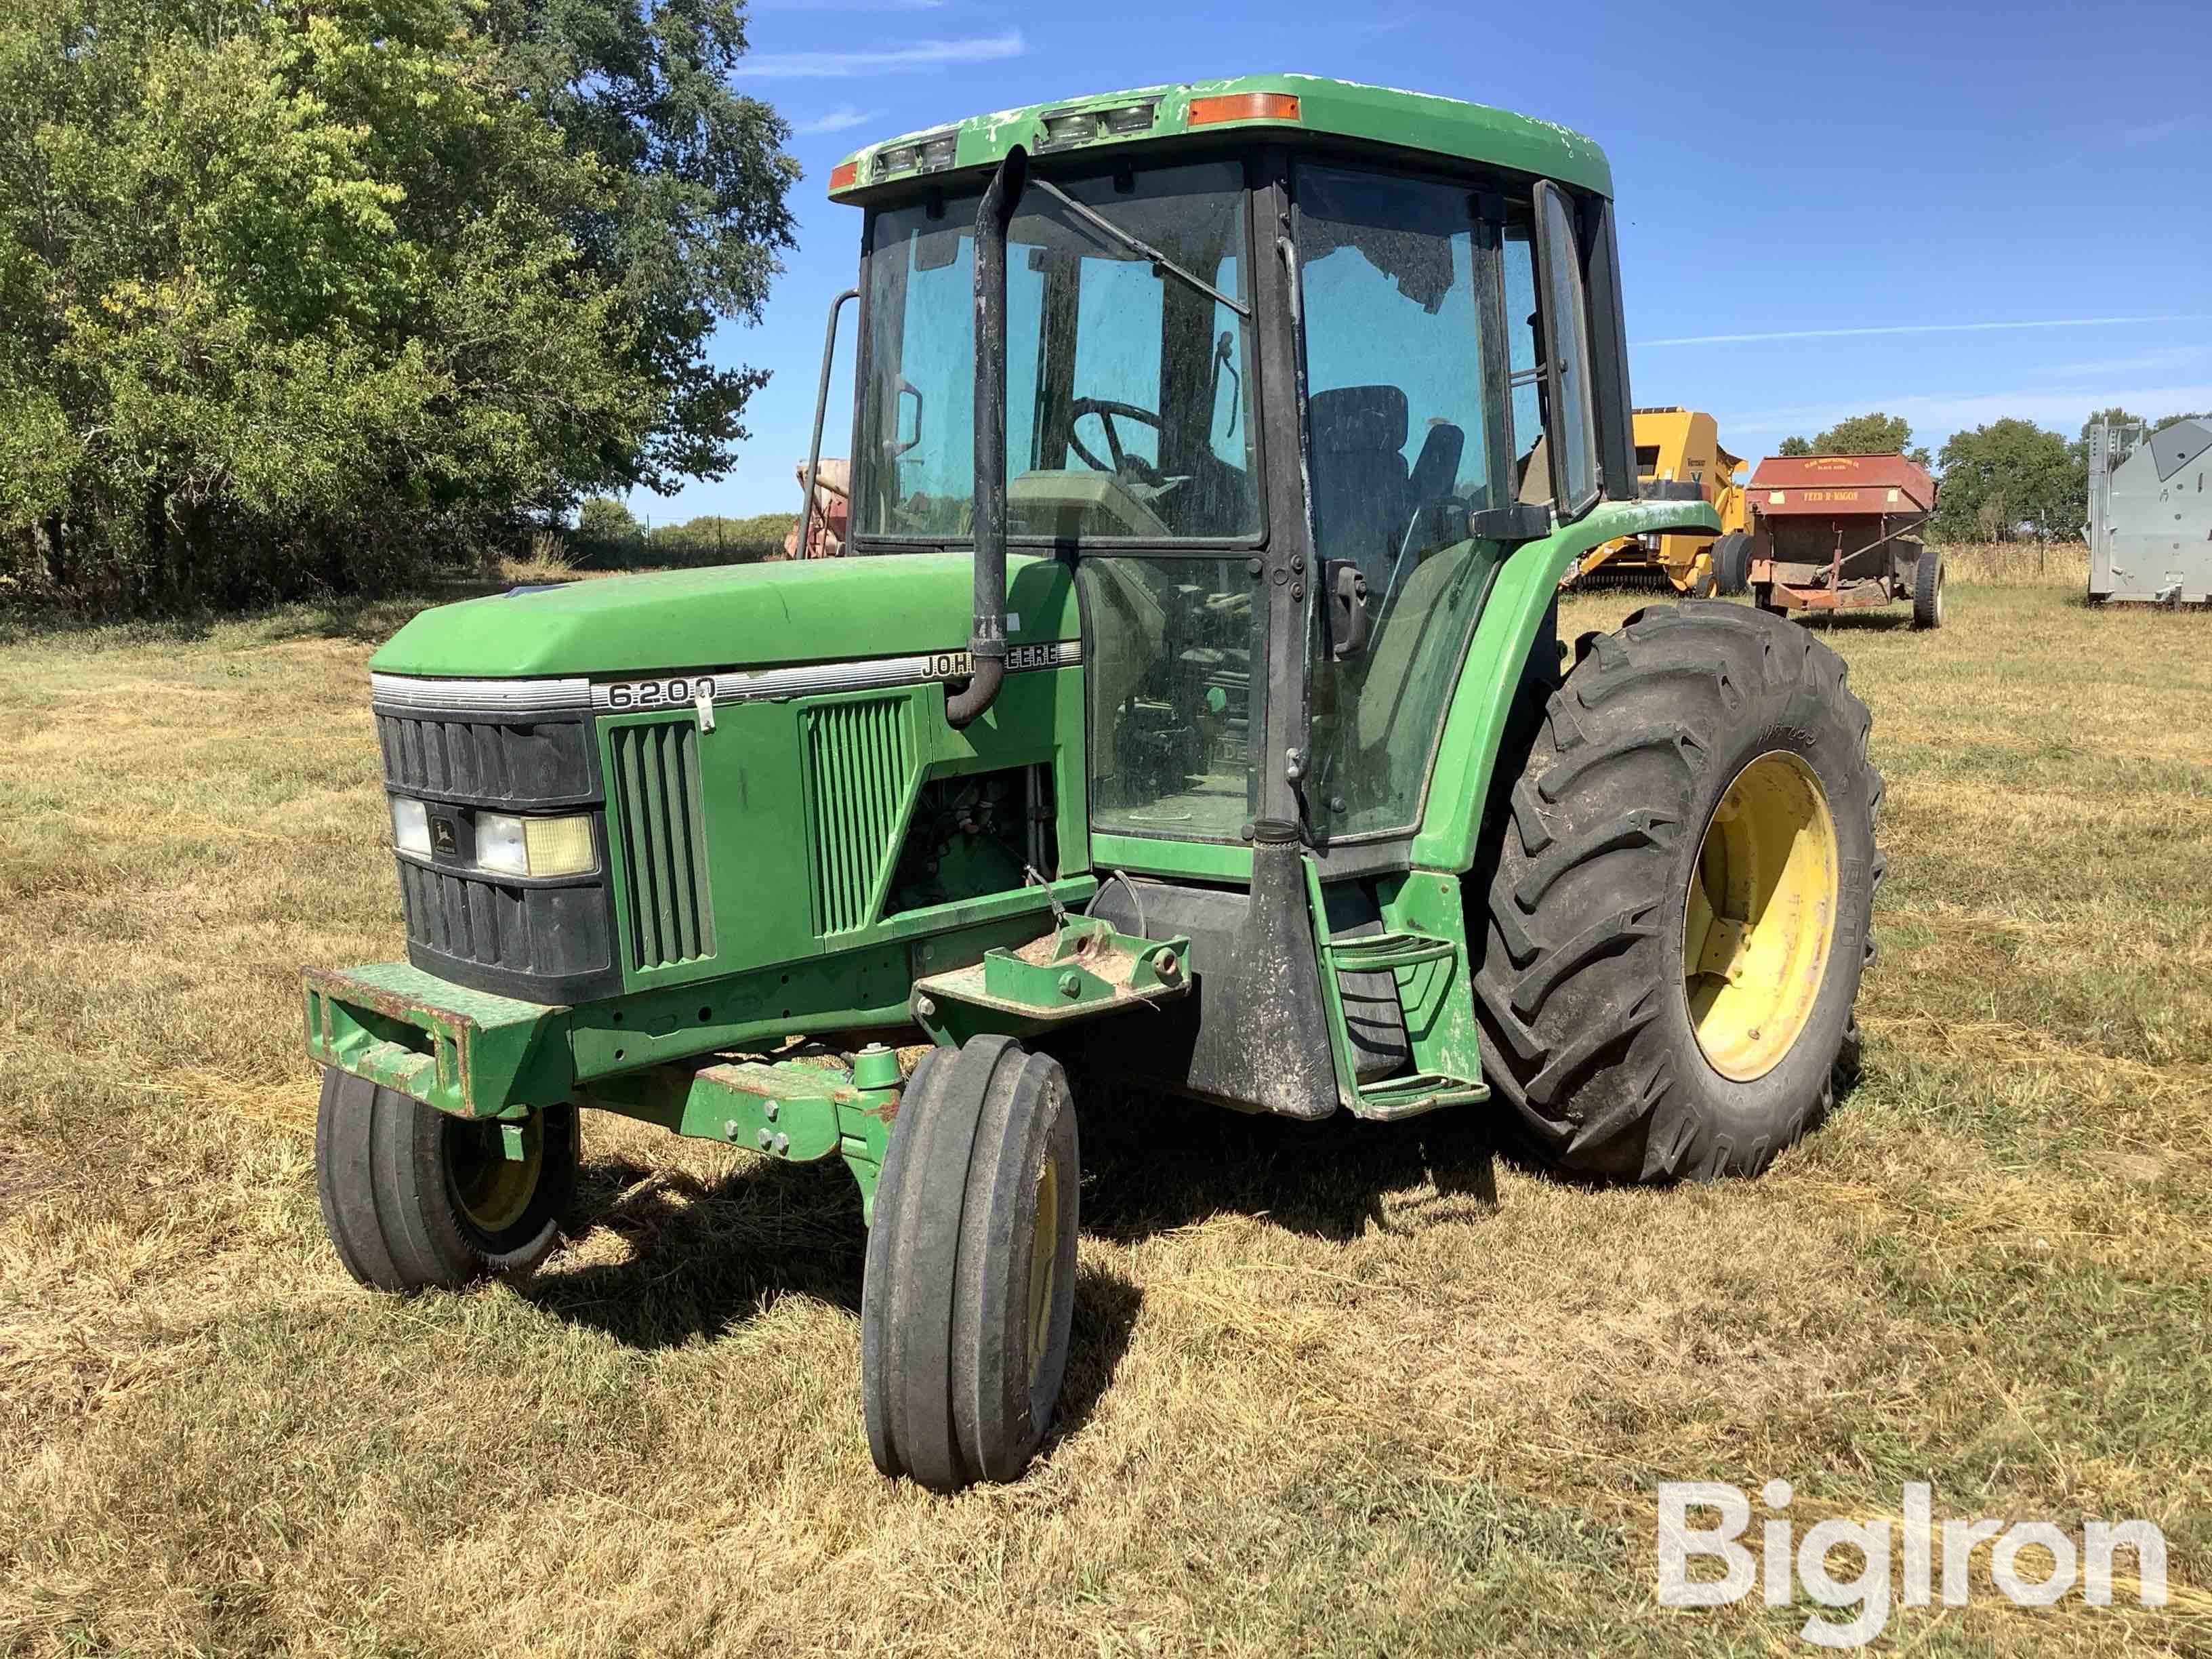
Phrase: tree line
(2003, 482)
(310, 294)
(610, 536)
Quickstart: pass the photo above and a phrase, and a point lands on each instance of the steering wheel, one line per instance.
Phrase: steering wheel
(1135, 465)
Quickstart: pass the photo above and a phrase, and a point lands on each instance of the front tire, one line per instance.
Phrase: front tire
(1679, 914)
(970, 1294)
(414, 1199)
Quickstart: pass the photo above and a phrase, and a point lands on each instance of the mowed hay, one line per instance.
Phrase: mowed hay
(1334, 1388)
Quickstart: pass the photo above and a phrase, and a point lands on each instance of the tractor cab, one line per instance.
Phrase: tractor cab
(1278, 390)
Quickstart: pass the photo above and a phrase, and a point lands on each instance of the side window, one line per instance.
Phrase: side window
(1532, 462)
(1398, 296)
(1394, 367)
(1573, 430)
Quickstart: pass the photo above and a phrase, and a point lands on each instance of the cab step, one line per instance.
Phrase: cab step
(1396, 951)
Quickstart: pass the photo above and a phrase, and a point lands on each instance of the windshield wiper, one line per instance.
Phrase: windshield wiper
(1160, 262)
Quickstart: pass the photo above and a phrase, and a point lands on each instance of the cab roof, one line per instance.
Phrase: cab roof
(1304, 105)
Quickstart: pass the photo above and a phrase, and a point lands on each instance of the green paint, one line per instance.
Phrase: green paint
(1223, 862)
(1083, 968)
(1490, 677)
(797, 823)
(793, 1111)
(1327, 109)
(1438, 996)
(464, 1052)
(1332, 993)
(748, 616)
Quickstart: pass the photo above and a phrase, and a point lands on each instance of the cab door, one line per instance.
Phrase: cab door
(1447, 372)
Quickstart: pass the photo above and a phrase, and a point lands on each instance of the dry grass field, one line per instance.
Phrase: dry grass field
(1336, 1388)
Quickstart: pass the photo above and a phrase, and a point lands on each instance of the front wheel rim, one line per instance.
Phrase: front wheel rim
(492, 1189)
(1044, 1265)
(1758, 918)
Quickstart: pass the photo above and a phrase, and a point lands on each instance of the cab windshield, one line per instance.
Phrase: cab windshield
(1128, 417)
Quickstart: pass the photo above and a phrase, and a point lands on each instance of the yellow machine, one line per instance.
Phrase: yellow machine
(1679, 446)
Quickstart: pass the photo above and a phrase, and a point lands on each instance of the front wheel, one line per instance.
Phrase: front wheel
(414, 1199)
(970, 1293)
(1685, 867)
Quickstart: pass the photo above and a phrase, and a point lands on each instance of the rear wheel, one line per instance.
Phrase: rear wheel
(1928, 589)
(970, 1288)
(414, 1199)
(1679, 917)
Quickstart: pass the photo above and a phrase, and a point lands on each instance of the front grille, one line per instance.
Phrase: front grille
(654, 797)
(497, 763)
(555, 933)
(859, 755)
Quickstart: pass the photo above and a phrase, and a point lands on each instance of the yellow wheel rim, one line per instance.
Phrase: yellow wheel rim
(1045, 1263)
(1761, 916)
(492, 1188)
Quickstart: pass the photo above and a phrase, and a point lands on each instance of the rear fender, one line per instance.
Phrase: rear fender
(1511, 622)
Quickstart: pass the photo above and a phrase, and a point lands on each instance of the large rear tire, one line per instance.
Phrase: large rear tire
(969, 1295)
(1684, 871)
(416, 1199)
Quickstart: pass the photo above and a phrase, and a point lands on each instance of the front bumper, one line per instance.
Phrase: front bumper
(469, 1053)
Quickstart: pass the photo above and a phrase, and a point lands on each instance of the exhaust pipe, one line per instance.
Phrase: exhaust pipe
(986, 648)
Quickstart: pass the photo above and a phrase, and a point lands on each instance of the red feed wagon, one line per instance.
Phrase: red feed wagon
(1834, 533)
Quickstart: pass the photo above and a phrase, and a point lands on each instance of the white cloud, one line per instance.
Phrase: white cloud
(1935, 416)
(2157, 132)
(920, 54)
(841, 119)
(1908, 328)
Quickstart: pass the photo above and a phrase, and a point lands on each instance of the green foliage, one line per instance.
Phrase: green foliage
(1862, 435)
(604, 519)
(609, 539)
(2008, 478)
(298, 297)
(689, 227)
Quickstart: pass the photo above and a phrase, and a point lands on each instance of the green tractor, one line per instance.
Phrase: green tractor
(1189, 712)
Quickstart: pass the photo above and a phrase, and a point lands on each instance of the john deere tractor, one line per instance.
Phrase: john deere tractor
(1189, 712)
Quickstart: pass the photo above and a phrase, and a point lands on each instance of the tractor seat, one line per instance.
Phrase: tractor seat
(1363, 491)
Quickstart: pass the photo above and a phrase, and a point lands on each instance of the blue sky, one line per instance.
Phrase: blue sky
(1950, 212)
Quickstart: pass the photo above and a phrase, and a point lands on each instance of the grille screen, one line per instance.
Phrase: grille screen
(859, 755)
(655, 799)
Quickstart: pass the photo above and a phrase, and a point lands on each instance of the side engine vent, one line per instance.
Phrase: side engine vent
(859, 756)
(654, 799)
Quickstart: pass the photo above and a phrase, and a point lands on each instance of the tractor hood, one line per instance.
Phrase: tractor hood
(730, 616)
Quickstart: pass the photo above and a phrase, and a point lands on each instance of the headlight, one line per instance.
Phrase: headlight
(411, 826)
(534, 847)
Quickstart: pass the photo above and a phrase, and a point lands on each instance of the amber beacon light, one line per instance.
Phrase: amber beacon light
(1244, 106)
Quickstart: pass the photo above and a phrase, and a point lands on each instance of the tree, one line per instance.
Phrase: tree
(1870, 434)
(690, 230)
(1860, 435)
(604, 519)
(291, 295)
(2008, 476)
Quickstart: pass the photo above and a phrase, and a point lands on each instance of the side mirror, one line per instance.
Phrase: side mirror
(1348, 623)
